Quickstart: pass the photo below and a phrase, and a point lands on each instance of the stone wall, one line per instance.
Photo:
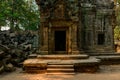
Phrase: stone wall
(97, 26)
(93, 22)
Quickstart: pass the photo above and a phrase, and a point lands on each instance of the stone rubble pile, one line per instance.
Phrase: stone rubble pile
(15, 48)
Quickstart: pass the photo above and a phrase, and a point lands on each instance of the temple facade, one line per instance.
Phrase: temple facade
(76, 26)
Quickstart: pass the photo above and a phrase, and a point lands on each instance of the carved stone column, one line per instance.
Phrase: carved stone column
(75, 49)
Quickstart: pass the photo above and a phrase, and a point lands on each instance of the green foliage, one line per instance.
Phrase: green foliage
(117, 28)
(19, 14)
(117, 33)
(118, 1)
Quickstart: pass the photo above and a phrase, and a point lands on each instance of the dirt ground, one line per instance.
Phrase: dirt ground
(111, 72)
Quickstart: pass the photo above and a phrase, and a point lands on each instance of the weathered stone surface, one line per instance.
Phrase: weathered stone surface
(34, 65)
(62, 57)
(88, 26)
(15, 48)
(48, 62)
(111, 59)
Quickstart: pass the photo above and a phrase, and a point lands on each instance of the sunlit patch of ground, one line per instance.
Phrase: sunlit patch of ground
(111, 72)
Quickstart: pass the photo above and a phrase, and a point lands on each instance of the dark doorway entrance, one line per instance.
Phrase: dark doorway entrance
(101, 39)
(60, 40)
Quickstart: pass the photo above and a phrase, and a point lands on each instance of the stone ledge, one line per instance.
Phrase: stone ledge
(82, 65)
(81, 56)
(109, 60)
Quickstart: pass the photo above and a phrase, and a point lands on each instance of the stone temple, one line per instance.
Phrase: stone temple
(76, 26)
(75, 36)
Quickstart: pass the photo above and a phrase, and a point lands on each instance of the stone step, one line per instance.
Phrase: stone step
(62, 62)
(110, 59)
(56, 65)
(60, 73)
(63, 57)
(60, 69)
(60, 66)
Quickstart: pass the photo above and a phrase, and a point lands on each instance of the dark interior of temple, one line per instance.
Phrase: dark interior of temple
(60, 40)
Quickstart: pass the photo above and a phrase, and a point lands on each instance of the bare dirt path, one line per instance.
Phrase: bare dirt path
(111, 72)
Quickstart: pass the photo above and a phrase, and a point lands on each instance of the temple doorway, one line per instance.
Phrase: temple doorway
(60, 40)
